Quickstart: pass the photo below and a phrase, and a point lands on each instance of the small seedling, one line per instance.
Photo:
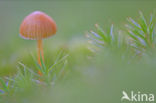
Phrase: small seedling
(142, 34)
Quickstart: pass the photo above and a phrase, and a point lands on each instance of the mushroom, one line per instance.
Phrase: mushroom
(37, 26)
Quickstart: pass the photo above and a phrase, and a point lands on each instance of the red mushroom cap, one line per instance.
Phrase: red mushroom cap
(37, 26)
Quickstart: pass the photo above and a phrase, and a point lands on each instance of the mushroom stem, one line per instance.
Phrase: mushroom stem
(40, 53)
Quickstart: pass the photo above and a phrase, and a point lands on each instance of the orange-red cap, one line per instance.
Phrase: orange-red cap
(37, 26)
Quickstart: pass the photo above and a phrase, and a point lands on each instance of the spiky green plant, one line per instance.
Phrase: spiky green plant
(5, 86)
(111, 41)
(141, 33)
(49, 73)
(27, 78)
(103, 39)
(141, 37)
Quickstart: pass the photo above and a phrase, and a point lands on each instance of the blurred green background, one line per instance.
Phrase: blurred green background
(74, 19)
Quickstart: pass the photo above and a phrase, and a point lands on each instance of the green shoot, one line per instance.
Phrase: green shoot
(109, 40)
(49, 73)
(142, 33)
(4, 87)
